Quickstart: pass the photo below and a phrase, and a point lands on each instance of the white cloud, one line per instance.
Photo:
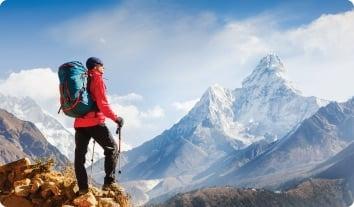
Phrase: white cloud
(154, 113)
(319, 56)
(352, 1)
(41, 84)
(139, 125)
(185, 106)
(127, 99)
(186, 53)
(2, 1)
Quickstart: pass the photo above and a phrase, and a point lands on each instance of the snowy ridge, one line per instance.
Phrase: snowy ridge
(266, 107)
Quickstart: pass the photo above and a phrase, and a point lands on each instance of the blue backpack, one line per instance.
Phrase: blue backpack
(75, 99)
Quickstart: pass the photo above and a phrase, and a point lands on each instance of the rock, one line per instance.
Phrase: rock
(87, 200)
(37, 201)
(16, 201)
(107, 202)
(69, 191)
(15, 165)
(36, 184)
(25, 185)
(49, 188)
(3, 179)
(22, 187)
(11, 177)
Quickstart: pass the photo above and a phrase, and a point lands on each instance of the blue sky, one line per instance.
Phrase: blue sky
(162, 55)
(25, 24)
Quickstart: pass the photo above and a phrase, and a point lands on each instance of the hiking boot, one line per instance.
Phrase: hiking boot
(112, 187)
(82, 192)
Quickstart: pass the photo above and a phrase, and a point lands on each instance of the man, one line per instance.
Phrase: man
(93, 125)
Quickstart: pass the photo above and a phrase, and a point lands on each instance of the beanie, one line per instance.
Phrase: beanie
(92, 62)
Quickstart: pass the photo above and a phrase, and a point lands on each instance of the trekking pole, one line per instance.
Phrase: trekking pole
(119, 132)
(93, 152)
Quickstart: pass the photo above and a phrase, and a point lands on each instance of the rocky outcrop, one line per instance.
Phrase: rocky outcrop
(23, 184)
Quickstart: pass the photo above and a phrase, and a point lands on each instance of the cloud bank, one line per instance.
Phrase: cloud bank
(185, 53)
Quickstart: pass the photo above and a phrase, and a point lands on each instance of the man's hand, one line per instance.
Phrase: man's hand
(120, 122)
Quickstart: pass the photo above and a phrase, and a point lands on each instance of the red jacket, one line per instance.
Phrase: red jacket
(98, 93)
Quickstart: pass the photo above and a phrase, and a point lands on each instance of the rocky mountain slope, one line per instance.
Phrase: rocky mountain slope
(338, 167)
(23, 139)
(317, 139)
(27, 109)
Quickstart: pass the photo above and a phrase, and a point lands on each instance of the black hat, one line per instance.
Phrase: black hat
(92, 62)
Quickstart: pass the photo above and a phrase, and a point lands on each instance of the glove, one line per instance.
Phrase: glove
(120, 122)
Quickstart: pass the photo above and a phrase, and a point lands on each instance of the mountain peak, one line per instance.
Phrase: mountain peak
(271, 61)
(215, 89)
(216, 93)
(268, 70)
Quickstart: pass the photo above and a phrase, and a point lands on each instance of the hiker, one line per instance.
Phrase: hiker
(93, 125)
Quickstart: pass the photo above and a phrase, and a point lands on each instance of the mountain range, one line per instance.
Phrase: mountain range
(226, 127)
(316, 139)
(265, 134)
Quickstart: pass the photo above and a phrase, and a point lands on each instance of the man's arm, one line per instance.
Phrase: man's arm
(102, 102)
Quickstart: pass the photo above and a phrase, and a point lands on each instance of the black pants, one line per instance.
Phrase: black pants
(104, 138)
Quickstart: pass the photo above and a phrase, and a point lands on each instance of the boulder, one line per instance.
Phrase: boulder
(17, 201)
(86, 200)
(22, 187)
(15, 165)
(36, 184)
(26, 185)
(107, 202)
(48, 189)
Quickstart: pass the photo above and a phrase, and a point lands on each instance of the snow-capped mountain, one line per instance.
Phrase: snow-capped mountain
(317, 139)
(222, 122)
(267, 105)
(27, 109)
